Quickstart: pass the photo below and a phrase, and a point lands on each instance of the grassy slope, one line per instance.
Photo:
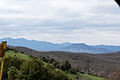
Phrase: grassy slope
(19, 55)
(86, 76)
(26, 57)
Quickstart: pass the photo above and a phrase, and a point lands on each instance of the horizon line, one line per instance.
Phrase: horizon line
(61, 42)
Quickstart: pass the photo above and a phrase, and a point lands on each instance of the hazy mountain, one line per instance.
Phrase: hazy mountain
(68, 47)
(109, 47)
(33, 44)
(85, 48)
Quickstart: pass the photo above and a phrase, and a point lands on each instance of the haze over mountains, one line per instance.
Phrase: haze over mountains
(68, 47)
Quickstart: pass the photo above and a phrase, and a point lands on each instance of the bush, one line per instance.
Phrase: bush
(73, 71)
(65, 66)
(34, 69)
(12, 73)
(114, 75)
(11, 62)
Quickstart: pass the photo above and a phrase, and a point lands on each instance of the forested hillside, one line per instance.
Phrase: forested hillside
(101, 65)
(23, 67)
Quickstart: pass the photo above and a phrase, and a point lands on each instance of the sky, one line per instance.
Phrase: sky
(92, 22)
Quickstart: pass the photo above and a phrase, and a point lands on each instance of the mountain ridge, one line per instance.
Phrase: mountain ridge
(67, 46)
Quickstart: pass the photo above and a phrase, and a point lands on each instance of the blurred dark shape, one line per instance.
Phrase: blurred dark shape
(118, 1)
(3, 48)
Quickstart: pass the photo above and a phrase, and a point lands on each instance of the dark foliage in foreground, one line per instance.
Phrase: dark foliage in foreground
(34, 69)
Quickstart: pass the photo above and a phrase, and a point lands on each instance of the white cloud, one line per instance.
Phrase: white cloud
(89, 21)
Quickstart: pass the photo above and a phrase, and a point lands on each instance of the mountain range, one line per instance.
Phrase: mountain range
(67, 47)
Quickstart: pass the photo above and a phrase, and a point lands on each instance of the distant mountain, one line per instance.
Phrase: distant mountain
(85, 48)
(68, 47)
(109, 47)
(36, 45)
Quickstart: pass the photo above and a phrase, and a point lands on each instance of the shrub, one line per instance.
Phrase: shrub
(114, 75)
(12, 73)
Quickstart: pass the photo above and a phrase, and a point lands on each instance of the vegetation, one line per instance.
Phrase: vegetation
(79, 76)
(93, 64)
(34, 69)
(11, 53)
(115, 75)
(23, 67)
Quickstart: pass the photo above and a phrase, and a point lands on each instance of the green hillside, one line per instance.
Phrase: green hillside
(71, 76)
(17, 54)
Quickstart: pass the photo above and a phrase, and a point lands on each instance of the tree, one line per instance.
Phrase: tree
(9, 62)
(32, 70)
(12, 73)
(65, 66)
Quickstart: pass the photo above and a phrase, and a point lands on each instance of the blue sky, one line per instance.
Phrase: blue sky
(78, 21)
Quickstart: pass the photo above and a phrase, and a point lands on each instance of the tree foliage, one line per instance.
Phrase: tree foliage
(34, 69)
(12, 73)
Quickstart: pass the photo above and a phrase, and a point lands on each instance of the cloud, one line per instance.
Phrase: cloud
(92, 22)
